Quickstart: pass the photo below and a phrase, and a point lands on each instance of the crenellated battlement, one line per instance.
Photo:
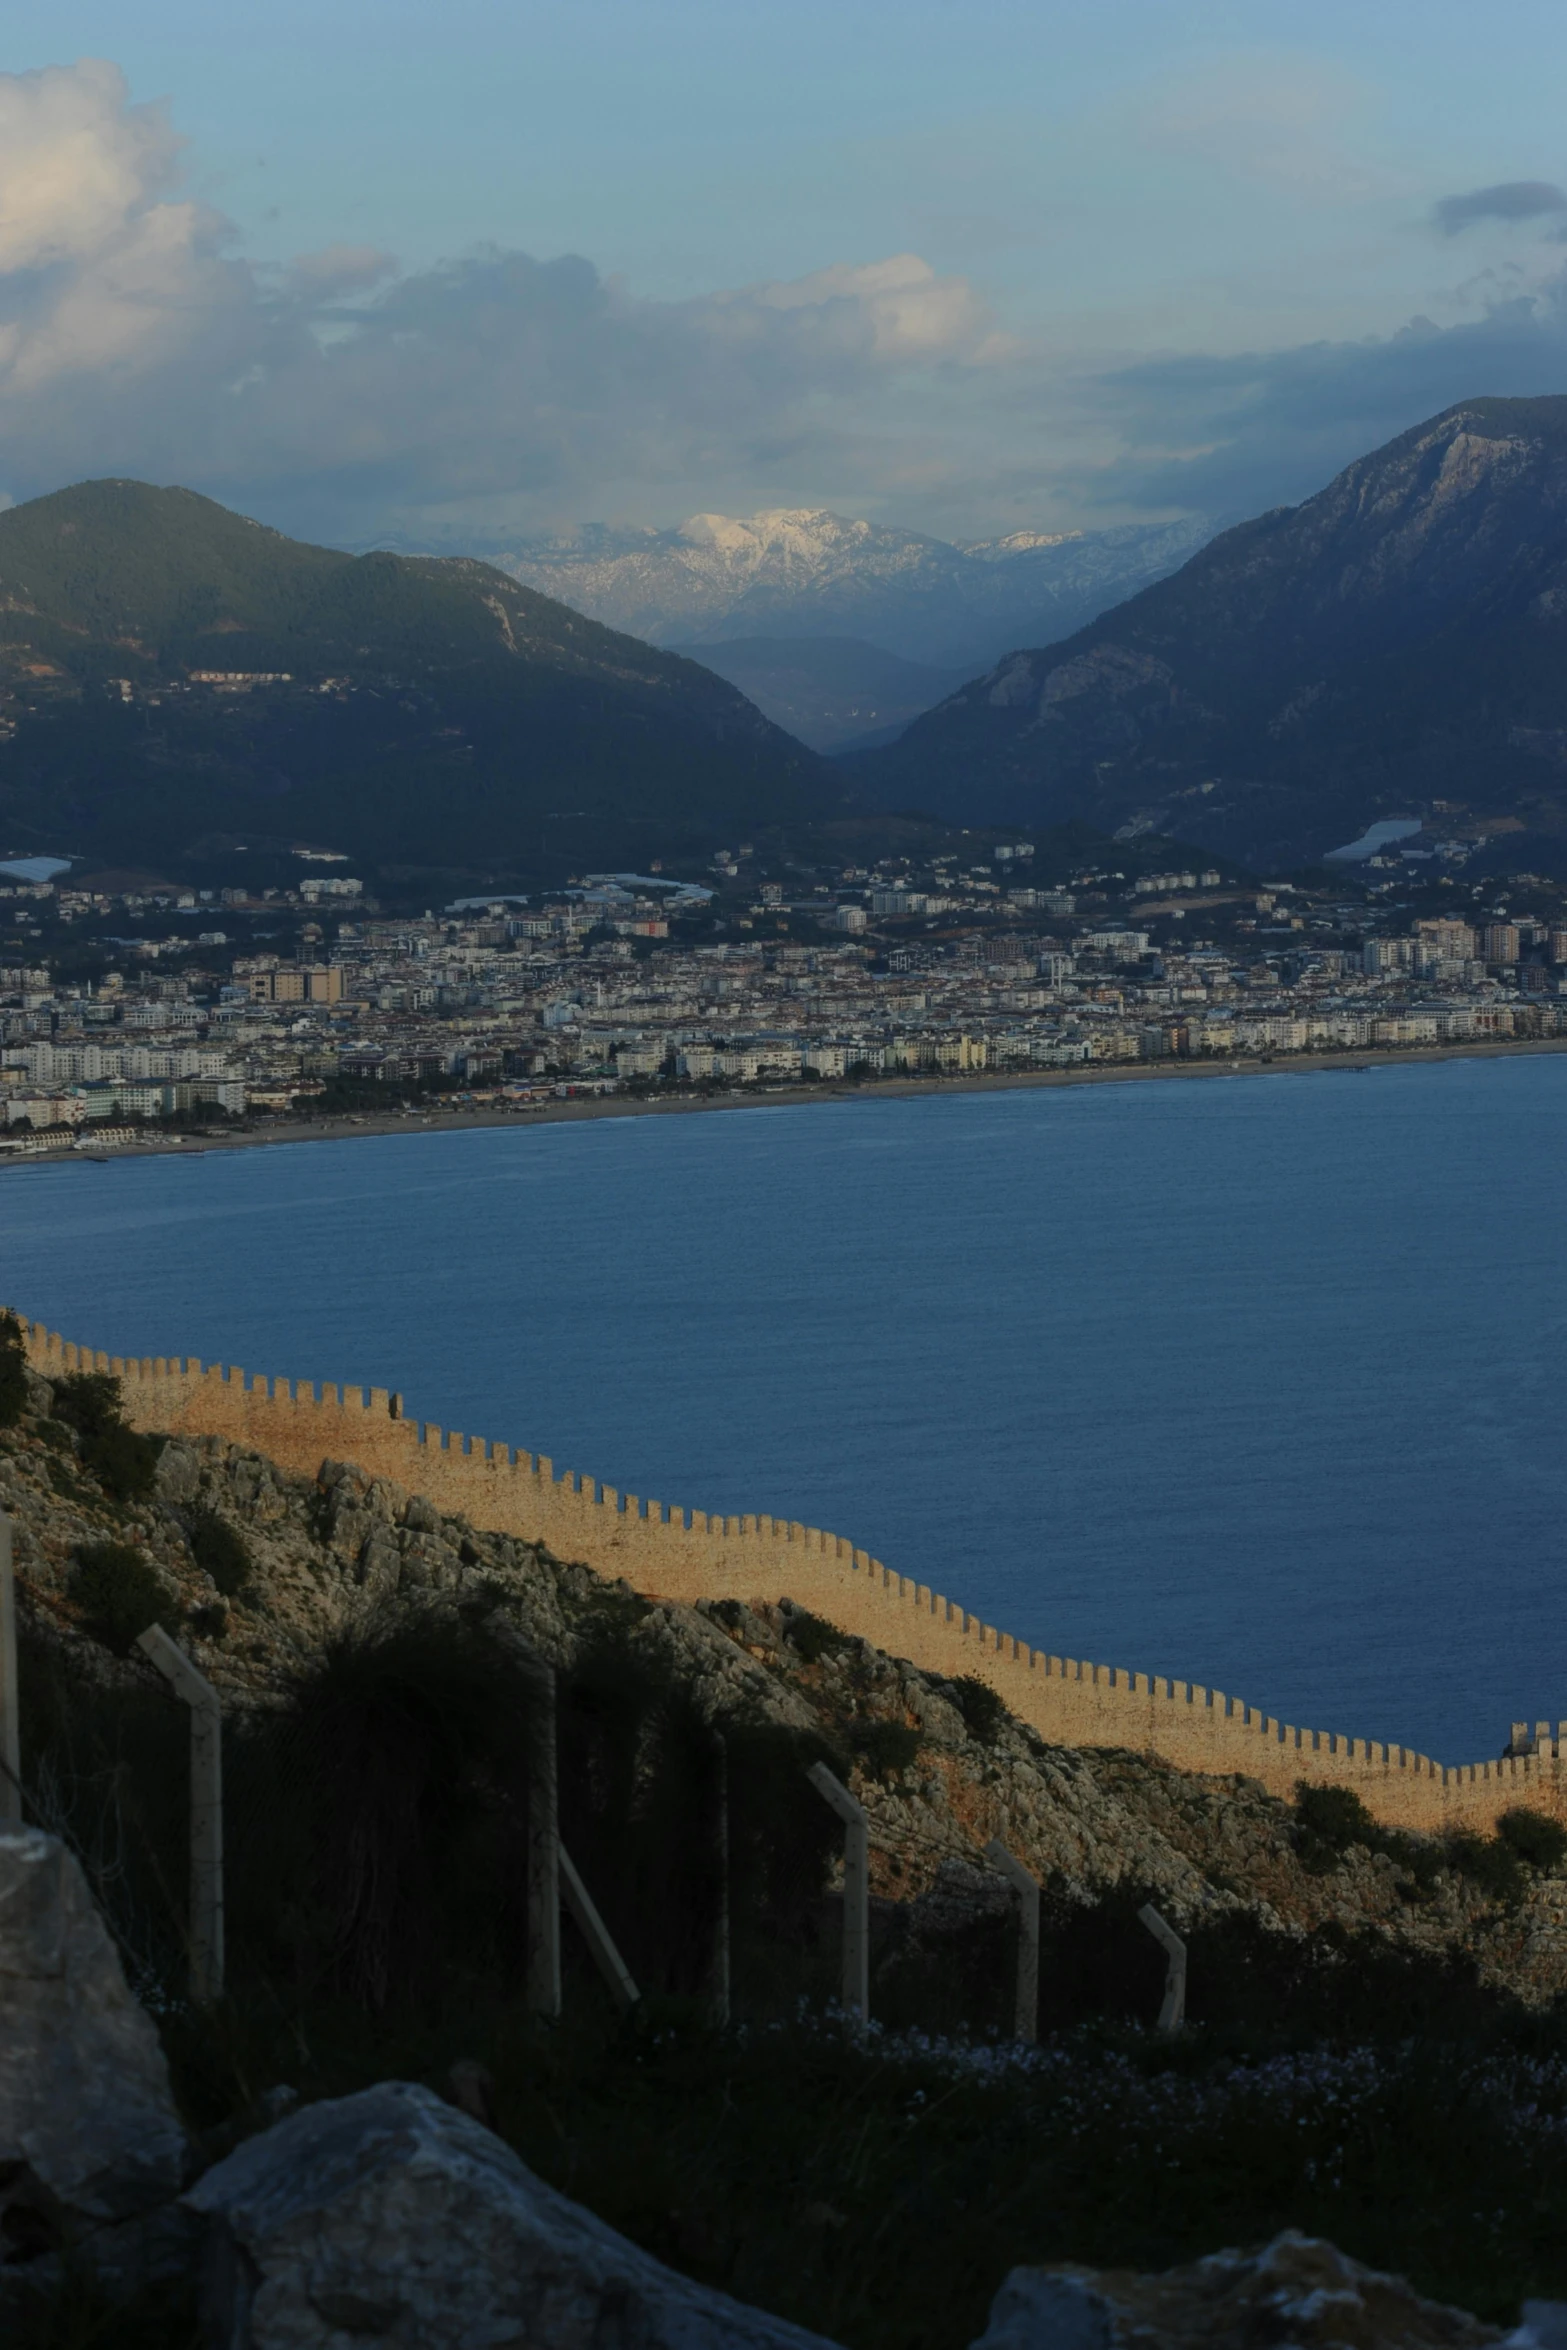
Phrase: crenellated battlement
(683, 1554)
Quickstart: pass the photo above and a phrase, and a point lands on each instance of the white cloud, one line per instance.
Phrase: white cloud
(909, 311)
(345, 399)
(101, 269)
(342, 396)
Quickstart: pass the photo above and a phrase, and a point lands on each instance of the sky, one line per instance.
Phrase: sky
(457, 275)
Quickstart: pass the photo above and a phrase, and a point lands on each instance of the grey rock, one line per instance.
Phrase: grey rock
(393, 2217)
(1038, 2310)
(1299, 2289)
(88, 2131)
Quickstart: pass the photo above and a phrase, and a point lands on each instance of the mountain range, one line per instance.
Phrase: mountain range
(1395, 647)
(816, 578)
(175, 679)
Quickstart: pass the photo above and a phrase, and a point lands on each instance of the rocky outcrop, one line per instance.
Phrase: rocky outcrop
(89, 2137)
(393, 2217)
(1297, 2290)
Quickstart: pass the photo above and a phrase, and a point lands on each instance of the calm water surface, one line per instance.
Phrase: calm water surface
(1252, 1381)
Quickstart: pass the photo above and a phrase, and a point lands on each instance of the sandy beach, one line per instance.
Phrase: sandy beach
(548, 1113)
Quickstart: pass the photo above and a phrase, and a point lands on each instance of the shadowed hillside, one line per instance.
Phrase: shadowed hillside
(172, 675)
(1395, 646)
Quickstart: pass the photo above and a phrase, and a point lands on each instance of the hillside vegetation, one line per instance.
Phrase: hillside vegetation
(1377, 2050)
(1395, 646)
(425, 712)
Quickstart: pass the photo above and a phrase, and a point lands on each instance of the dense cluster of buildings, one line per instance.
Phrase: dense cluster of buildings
(632, 981)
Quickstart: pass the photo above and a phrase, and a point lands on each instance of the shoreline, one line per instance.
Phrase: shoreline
(378, 1125)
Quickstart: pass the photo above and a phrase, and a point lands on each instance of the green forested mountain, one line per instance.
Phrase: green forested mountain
(414, 711)
(1396, 646)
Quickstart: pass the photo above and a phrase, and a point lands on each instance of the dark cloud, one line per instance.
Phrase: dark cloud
(1508, 200)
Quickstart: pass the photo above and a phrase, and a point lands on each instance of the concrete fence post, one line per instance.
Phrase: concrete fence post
(856, 1889)
(719, 2001)
(10, 1690)
(1025, 2016)
(596, 1934)
(543, 1983)
(1172, 2013)
(206, 1809)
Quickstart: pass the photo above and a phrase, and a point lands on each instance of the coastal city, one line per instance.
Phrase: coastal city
(131, 1009)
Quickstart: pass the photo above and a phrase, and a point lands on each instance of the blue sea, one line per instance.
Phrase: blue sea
(1253, 1381)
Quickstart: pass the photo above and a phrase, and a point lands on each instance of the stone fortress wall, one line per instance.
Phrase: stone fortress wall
(674, 1553)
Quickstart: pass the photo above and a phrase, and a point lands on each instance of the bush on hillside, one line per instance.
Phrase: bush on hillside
(984, 1714)
(1329, 1820)
(13, 1371)
(120, 1593)
(812, 1637)
(1334, 1818)
(1491, 1865)
(219, 1552)
(1534, 1838)
(123, 1462)
(885, 1749)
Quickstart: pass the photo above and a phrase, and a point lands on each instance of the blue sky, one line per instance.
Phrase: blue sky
(457, 273)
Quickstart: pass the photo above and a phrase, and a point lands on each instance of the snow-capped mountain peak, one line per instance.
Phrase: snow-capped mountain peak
(797, 571)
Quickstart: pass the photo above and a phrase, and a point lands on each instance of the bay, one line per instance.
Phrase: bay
(1250, 1381)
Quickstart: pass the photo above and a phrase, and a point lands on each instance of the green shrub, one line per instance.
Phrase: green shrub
(1336, 1817)
(120, 1593)
(88, 1401)
(220, 1552)
(13, 1372)
(1489, 1864)
(886, 1749)
(984, 1714)
(123, 1462)
(1534, 1838)
(1328, 1820)
(812, 1637)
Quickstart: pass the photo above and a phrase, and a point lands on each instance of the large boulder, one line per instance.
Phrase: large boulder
(392, 2217)
(89, 2137)
(1298, 2290)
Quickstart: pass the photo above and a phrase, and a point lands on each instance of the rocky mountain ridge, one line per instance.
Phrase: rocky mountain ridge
(1392, 647)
